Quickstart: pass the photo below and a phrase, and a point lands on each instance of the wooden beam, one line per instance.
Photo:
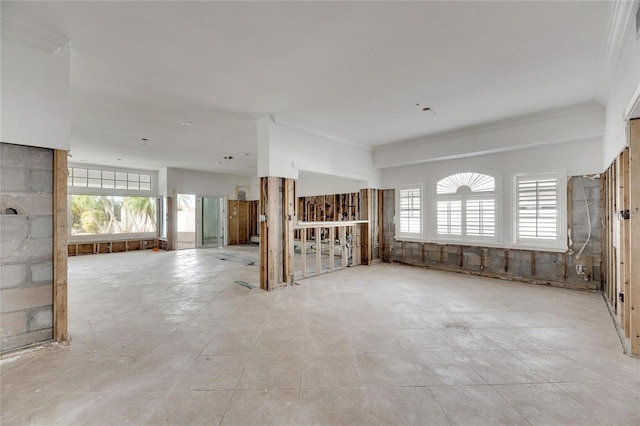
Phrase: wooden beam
(288, 220)
(60, 250)
(318, 251)
(366, 234)
(625, 249)
(634, 236)
(303, 251)
(343, 245)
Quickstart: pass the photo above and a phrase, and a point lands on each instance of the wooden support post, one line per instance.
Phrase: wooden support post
(634, 236)
(343, 244)
(171, 227)
(303, 250)
(318, 251)
(625, 238)
(289, 198)
(332, 232)
(366, 234)
(620, 252)
(60, 251)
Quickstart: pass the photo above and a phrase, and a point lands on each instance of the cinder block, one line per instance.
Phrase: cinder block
(28, 204)
(13, 276)
(41, 227)
(14, 226)
(15, 180)
(40, 318)
(13, 342)
(27, 250)
(17, 299)
(39, 158)
(12, 155)
(13, 323)
(41, 181)
(452, 249)
(434, 255)
(42, 272)
(471, 259)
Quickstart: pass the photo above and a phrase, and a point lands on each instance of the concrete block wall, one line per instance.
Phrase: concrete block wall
(558, 269)
(26, 246)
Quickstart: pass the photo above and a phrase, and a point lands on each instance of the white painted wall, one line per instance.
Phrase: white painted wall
(579, 123)
(310, 185)
(34, 96)
(284, 150)
(624, 84)
(180, 181)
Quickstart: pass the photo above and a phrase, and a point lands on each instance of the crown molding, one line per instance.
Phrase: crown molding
(32, 37)
(494, 125)
(620, 17)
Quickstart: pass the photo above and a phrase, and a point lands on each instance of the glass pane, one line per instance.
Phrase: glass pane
(95, 183)
(108, 175)
(95, 174)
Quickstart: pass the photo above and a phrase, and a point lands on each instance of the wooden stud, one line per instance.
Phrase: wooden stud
(441, 255)
(318, 251)
(634, 236)
(289, 197)
(506, 260)
(533, 263)
(303, 250)
(60, 250)
(564, 267)
(461, 256)
(343, 244)
(625, 238)
(332, 231)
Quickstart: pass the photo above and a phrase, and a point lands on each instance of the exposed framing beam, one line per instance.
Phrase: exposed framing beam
(60, 250)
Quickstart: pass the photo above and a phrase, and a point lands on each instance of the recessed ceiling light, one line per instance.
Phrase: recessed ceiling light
(246, 153)
(188, 123)
(119, 159)
(426, 109)
(228, 157)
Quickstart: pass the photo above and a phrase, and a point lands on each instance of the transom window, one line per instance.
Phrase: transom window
(107, 179)
(466, 206)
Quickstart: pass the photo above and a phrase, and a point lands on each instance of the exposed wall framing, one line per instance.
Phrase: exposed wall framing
(115, 246)
(620, 194)
(243, 221)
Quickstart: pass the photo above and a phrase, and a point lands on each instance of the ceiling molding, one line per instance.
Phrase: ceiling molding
(621, 13)
(319, 133)
(494, 125)
(485, 152)
(32, 37)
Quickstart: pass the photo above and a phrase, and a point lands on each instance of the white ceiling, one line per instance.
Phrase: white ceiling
(354, 70)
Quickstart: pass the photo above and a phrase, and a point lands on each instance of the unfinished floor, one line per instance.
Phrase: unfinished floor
(170, 338)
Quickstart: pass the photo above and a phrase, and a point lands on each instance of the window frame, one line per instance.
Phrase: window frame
(116, 192)
(410, 235)
(560, 241)
(495, 195)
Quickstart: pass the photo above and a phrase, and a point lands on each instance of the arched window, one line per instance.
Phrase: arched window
(466, 206)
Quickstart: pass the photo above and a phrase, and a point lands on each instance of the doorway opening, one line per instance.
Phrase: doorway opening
(186, 221)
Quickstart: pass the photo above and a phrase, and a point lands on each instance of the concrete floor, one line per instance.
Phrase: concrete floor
(169, 338)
